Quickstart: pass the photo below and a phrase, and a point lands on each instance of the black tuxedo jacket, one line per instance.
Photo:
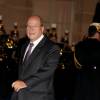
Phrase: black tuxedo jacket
(38, 72)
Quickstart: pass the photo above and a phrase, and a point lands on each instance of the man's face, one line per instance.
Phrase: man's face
(34, 29)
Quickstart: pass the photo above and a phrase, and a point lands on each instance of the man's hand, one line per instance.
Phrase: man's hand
(17, 85)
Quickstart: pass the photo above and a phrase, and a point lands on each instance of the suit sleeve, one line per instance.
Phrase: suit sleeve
(47, 70)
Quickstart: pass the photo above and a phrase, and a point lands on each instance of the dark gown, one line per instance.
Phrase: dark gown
(87, 53)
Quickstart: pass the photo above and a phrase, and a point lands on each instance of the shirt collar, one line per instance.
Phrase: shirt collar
(38, 40)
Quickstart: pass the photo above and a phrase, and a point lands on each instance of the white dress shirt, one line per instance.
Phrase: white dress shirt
(35, 44)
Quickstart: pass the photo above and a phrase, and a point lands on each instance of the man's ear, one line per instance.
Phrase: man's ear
(42, 28)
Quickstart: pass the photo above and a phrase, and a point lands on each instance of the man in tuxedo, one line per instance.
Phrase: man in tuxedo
(35, 80)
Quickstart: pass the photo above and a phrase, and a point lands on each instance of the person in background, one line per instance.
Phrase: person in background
(35, 80)
(87, 55)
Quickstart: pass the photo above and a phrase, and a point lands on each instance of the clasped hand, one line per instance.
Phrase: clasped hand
(17, 85)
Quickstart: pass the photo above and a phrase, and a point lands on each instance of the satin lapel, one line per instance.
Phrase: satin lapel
(23, 52)
(21, 67)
